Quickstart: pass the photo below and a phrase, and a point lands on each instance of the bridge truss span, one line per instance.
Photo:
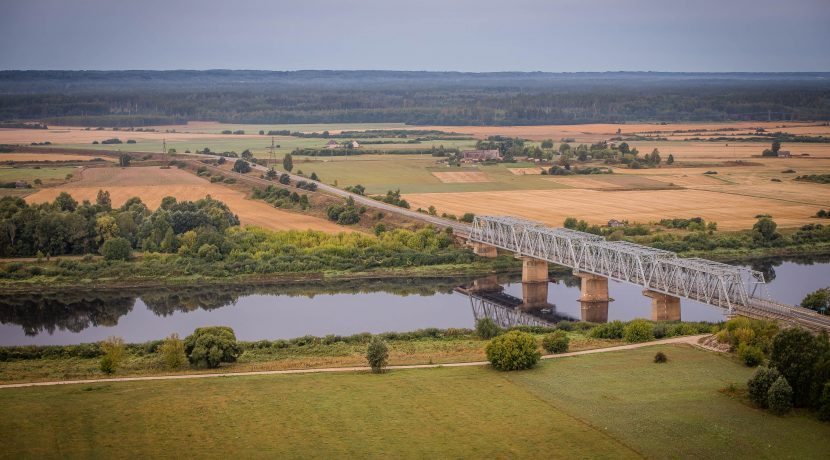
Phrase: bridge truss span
(657, 270)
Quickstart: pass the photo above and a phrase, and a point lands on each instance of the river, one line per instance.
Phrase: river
(342, 308)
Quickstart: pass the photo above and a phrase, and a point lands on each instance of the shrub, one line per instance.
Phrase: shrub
(751, 355)
(486, 328)
(211, 346)
(556, 342)
(377, 354)
(660, 357)
(113, 349)
(513, 351)
(780, 397)
(610, 330)
(565, 325)
(758, 386)
(116, 249)
(172, 352)
(638, 330)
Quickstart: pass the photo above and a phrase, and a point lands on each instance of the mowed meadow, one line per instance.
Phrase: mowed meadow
(609, 405)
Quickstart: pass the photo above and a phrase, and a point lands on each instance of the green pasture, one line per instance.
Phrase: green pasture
(608, 405)
(29, 174)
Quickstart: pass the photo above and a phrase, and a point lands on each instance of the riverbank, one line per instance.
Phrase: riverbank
(503, 265)
(422, 347)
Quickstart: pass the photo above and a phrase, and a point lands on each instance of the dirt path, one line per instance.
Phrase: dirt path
(692, 340)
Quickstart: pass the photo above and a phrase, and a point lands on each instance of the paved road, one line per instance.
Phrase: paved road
(692, 340)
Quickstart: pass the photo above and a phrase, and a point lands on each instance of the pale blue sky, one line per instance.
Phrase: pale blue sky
(464, 35)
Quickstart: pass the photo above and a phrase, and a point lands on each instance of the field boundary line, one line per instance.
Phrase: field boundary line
(692, 339)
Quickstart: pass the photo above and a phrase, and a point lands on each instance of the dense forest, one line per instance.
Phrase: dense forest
(137, 98)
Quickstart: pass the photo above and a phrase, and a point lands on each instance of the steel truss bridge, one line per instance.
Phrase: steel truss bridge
(738, 290)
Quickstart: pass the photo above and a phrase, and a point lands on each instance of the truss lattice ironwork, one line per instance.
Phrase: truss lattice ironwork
(706, 281)
(504, 316)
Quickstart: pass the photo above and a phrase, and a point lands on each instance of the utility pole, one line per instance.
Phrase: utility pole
(164, 150)
(272, 157)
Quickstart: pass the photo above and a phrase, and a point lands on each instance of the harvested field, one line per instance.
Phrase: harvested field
(609, 182)
(730, 210)
(152, 184)
(48, 157)
(461, 177)
(525, 171)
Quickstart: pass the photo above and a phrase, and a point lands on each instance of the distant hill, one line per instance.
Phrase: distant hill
(140, 97)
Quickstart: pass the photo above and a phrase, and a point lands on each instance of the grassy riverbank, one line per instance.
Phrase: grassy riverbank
(431, 346)
(609, 405)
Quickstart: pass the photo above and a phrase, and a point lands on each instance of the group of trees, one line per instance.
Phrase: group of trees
(393, 197)
(797, 374)
(68, 227)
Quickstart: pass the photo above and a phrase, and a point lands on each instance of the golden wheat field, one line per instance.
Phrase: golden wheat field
(730, 211)
(152, 184)
(461, 177)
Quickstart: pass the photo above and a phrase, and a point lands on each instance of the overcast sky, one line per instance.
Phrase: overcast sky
(474, 35)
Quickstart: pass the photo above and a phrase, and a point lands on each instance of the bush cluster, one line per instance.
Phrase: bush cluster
(512, 351)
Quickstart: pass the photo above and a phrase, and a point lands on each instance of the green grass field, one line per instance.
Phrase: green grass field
(30, 174)
(611, 405)
(413, 174)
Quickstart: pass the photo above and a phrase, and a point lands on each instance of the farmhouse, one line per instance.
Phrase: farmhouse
(784, 154)
(614, 223)
(355, 145)
(480, 155)
(332, 144)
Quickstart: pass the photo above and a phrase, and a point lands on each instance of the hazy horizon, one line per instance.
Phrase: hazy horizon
(465, 36)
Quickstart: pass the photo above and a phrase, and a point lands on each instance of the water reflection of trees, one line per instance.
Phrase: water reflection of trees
(71, 311)
(76, 310)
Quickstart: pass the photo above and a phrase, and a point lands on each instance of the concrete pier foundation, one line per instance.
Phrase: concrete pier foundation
(484, 250)
(664, 307)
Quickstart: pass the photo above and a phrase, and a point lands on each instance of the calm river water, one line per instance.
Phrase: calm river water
(70, 317)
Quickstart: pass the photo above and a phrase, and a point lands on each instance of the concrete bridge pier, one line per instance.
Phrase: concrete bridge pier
(664, 307)
(534, 283)
(483, 250)
(594, 298)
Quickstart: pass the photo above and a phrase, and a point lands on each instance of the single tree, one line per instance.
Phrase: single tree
(670, 159)
(377, 354)
(113, 353)
(288, 162)
(241, 166)
(211, 346)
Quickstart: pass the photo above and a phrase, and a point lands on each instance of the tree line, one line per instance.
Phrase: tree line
(144, 98)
